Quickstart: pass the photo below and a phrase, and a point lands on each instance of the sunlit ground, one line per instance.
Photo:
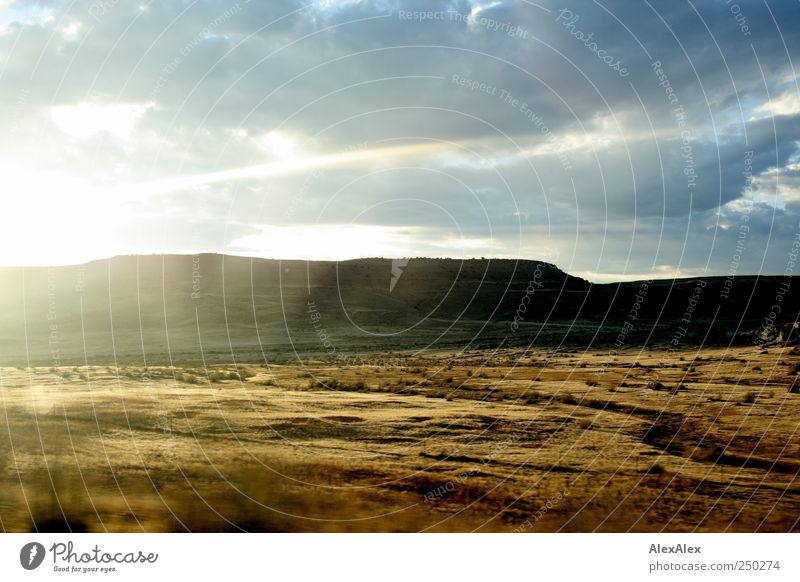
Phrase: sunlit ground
(533, 442)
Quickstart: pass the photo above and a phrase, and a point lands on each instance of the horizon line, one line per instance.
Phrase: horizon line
(634, 277)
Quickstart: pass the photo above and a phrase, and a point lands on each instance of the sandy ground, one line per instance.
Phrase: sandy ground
(510, 440)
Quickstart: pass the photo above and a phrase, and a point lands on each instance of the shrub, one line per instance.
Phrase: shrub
(324, 385)
(533, 397)
(242, 373)
(565, 398)
(749, 397)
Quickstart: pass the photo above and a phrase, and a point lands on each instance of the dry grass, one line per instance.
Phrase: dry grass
(395, 443)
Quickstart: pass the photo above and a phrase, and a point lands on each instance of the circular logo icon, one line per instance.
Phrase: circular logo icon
(31, 555)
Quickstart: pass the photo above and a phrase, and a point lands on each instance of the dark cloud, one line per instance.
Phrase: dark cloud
(549, 140)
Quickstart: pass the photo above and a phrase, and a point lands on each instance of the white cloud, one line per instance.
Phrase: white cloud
(340, 242)
(71, 30)
(786, 104)
(277, 144)
(328, 242)
(12, 13)
(88, 119)
(658, 272)
(334, 4)
(477, 9)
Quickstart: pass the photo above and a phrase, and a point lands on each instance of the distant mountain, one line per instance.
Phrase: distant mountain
(179, 307)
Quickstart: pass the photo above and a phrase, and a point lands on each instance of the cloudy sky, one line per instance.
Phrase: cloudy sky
(617, 139)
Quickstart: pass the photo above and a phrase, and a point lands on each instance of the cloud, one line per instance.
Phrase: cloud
(87, 119)
(282, 115)
(326, 242)
(786, 104)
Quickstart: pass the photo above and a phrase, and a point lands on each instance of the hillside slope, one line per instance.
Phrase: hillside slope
(157, 308)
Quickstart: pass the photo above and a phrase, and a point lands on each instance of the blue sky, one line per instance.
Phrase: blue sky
(618, 139)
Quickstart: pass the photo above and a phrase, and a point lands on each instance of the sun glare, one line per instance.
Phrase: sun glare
(58, 220)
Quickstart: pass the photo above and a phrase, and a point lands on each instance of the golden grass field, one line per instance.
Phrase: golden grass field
(507, 440)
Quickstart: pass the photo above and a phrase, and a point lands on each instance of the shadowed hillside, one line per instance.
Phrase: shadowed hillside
(157, 308)
(162, 397)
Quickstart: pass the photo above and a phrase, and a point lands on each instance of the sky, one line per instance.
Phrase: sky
(619, 140)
